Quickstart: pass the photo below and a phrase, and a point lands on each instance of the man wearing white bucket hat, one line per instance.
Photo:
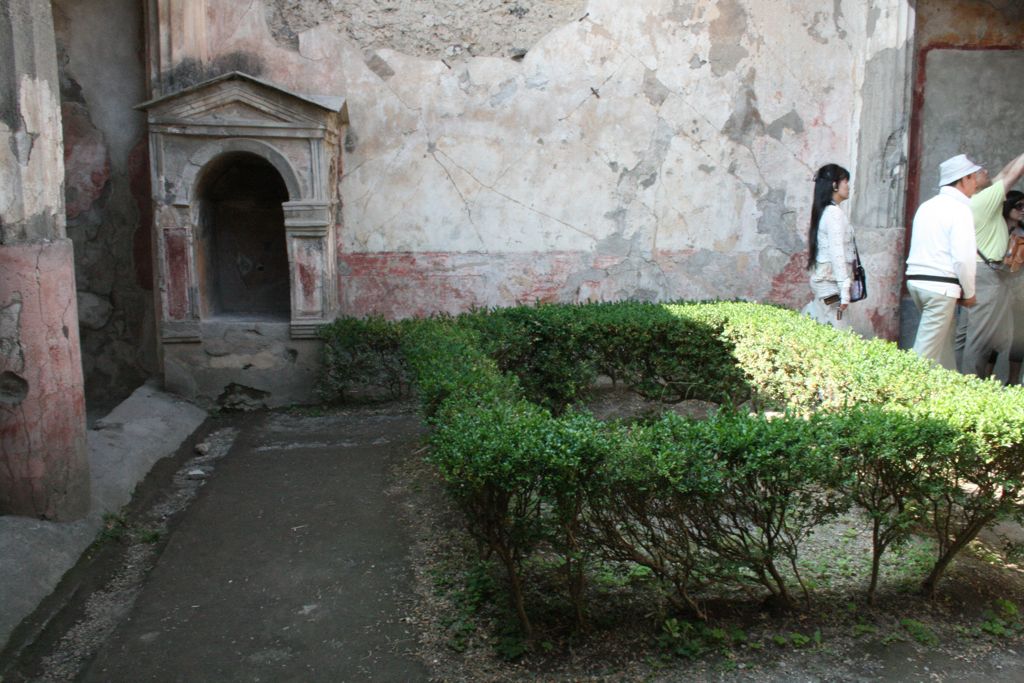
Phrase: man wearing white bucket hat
(941, 264)
(986, 331)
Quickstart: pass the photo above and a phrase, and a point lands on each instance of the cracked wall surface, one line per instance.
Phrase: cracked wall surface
(107, 191)
(653, 150)
(44, 472)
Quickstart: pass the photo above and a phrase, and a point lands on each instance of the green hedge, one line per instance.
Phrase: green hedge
(558, 351)
(727, 499)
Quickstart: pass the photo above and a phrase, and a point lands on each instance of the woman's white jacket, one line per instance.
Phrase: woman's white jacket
(833, 270)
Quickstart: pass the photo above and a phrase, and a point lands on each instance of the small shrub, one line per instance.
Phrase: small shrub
(1003, 621)
(757, 489)
(864, 629)
(889, 464)
(362, 357)
(919, 632)
(115, 528)
(691, 640)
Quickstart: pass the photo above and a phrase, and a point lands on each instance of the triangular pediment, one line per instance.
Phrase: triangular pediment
(237, 99)
(234, 111)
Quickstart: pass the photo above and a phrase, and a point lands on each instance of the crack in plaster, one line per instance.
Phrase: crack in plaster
(648, 172)
(379, 228)
(592, 94)
(504, 172)
(246, 12)
(387, 85)
(39, 285)
(65, 329)
(432, 148)
(608, 35)
(371, 191)
(518, 202)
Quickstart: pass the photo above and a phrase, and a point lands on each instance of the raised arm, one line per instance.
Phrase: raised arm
(1011, 173)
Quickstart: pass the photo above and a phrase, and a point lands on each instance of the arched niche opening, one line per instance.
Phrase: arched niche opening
(242, 253)
(245, 198)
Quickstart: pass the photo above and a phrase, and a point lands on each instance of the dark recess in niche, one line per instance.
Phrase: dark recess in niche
(243, 266)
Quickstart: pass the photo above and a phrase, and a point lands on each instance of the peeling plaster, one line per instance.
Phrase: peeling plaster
(654, 90)
(837, 18)
(681, 11)
(92, 38)
(873, 14)
(37, 150)
(10, 181)
(726, 33)
(13, 388)
(745, 124)
(505, 92)
(777, 222)
(86, 160)
(11, 351)
(446, 29)
(378, 66)
(790, 121)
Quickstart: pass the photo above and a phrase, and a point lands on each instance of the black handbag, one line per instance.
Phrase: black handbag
(859, 286)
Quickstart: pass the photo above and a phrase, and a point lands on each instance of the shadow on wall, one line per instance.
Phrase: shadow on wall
(189, 71)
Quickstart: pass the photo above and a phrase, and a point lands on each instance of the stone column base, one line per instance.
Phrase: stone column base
(44, 467)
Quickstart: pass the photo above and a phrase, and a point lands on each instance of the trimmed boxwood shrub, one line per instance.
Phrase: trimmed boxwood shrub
(726, 499)
(558, 351)
(362, 356)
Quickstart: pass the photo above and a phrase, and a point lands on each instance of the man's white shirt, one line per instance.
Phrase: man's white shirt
(942, 243)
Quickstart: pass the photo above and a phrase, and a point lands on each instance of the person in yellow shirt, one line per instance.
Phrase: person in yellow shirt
(986, 330)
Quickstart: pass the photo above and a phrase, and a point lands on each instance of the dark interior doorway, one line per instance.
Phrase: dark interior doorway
(243, 256)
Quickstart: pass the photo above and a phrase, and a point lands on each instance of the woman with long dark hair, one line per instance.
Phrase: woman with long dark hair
(831, 248)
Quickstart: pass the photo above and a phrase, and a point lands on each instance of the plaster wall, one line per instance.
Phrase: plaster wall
(101, 62)
(437, 29)
(969, 22)
(31, 173)
(953, 118)
(651, 150)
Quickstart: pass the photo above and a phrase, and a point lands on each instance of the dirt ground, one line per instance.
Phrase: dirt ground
(130, 610)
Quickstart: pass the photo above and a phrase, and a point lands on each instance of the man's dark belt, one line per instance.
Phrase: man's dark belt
(935, 278)
(994, 264)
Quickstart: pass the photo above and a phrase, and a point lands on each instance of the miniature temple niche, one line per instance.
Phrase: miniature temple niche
(244, 176)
